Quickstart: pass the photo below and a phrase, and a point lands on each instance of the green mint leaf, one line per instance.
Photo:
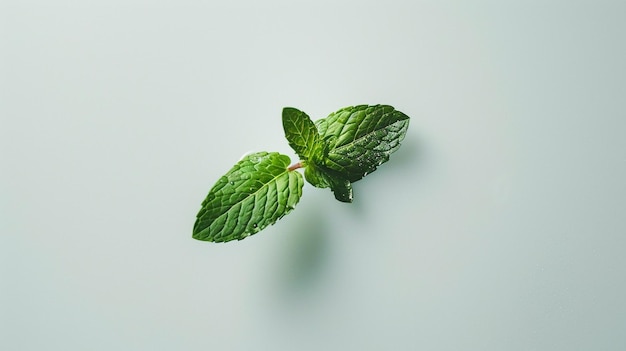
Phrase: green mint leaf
(255, 193)
(302, 134)
(342, 188)
(322, 126)
(361, 138)
(322, 177)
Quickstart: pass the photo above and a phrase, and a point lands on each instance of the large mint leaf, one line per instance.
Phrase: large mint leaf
(361, 138)
(255, 193)
(302, 134)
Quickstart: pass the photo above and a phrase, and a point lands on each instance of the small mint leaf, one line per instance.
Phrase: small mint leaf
(302, 134)
(342, 189)
(316, 176)
(322, 177)
(361, 138)
(255, 193)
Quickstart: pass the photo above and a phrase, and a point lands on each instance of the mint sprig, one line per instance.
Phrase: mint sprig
(334, 151)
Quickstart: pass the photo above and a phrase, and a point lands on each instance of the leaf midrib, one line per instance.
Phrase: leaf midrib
(247, 197)
(365, 135)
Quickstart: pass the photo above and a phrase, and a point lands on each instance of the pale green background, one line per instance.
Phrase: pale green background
(499, 225)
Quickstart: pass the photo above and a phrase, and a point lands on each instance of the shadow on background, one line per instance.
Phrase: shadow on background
(302, 259)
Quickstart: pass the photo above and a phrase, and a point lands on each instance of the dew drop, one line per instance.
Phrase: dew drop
(232, 183)
(254, 225)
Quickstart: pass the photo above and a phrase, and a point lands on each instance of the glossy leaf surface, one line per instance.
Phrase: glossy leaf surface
(361, 138)
(255, 193)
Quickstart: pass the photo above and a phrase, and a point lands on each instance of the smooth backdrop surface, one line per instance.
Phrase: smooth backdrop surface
(499, 225)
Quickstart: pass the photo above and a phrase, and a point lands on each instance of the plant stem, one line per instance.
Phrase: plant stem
(295, 166)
